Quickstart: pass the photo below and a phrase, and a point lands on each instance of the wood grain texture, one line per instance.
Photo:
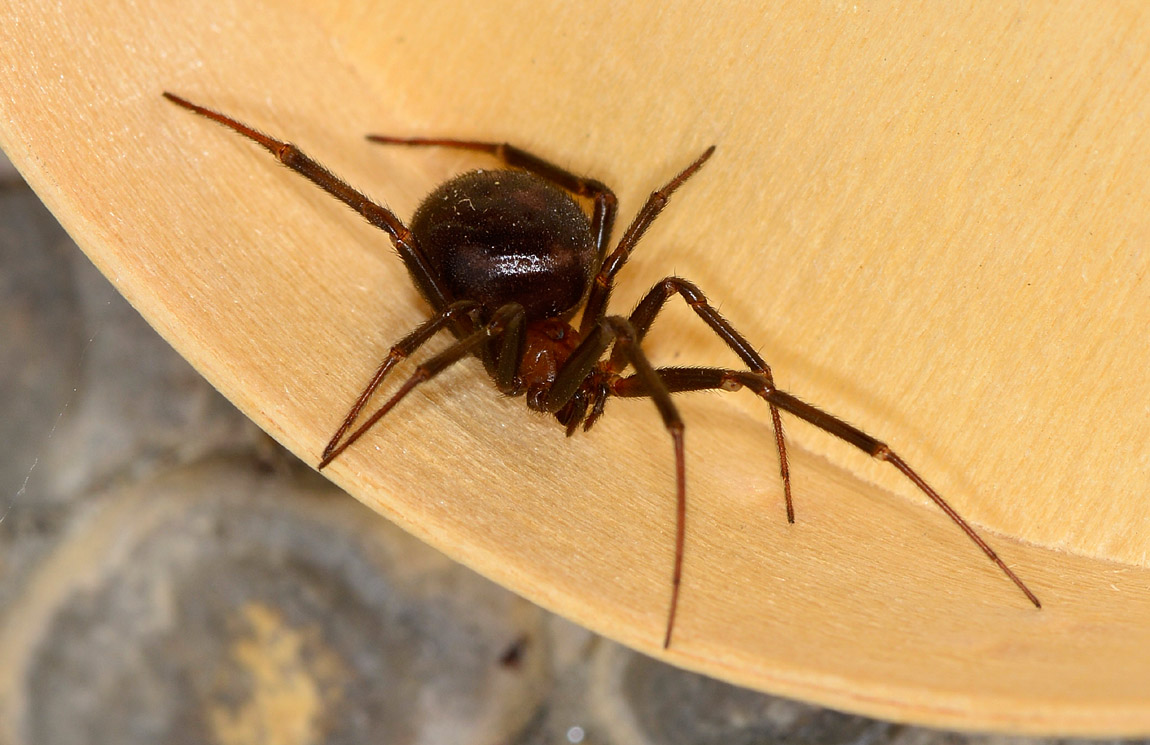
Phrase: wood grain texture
(933, 221)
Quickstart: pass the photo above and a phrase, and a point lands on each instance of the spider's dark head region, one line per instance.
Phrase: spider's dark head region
(501, 236)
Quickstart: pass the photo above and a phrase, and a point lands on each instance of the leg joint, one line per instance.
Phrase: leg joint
(688, 289)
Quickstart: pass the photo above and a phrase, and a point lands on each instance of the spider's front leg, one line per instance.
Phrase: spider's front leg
(402, 349)
(505, 322)
(568, 385)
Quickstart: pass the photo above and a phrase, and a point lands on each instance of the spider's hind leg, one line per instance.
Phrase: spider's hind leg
(681, 379)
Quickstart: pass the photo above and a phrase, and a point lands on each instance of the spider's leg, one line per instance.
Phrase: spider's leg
(501, 320)
(679, 379)
(402, 349)
(504, 350)
(644, 315)
(603, 199)
(566, 385)
(596, 307)
(378, 215)
(627, 341)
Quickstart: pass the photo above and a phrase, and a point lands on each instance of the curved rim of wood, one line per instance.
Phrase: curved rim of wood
(872, 602)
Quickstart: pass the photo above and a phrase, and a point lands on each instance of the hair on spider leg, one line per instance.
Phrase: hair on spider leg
(506, 258)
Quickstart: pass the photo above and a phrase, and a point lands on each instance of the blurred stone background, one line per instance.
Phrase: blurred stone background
(168, 574)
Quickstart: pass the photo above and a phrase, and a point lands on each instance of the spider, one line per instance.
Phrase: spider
(506, 258)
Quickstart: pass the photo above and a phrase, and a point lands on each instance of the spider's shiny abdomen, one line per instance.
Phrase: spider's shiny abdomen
(501, 237)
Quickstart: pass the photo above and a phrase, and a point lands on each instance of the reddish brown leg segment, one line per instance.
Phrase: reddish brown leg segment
(678, 379)
(596, 307)
(565, 387)
(379, 216)
(398, 353)
(644, 315)
(504, 317)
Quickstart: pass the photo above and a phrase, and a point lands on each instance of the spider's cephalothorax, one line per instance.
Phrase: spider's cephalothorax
(506, 258)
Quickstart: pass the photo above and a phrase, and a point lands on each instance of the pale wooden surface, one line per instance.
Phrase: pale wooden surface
(934, 223)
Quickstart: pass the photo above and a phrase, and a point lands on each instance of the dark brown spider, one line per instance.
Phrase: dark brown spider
(506, 258)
